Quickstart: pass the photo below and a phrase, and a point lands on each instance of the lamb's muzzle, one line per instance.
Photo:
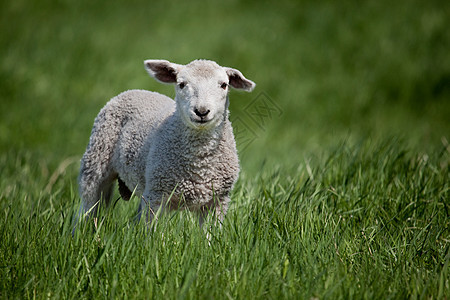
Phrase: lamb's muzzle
(202, 112)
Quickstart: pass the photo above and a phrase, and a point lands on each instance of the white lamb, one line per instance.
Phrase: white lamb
(174, 154)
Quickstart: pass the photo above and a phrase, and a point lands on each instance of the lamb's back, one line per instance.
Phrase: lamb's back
(142, 112)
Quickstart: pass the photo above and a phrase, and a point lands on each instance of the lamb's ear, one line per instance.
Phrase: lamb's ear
(162, 70)
(238, 81)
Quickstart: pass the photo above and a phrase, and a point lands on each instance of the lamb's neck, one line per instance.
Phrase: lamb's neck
(202, 141)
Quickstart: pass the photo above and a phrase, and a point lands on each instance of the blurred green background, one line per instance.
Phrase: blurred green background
(331, 71)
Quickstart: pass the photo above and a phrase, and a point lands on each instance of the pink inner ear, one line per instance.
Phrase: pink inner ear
(167, 75)
(163, 72)
(239, 82)
(235, 81)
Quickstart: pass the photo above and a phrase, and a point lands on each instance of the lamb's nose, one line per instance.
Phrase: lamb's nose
(202, 112)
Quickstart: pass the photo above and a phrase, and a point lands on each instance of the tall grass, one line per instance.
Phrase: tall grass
(361, 221)
(343, 144)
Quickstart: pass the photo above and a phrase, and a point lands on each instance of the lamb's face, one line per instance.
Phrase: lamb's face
(201, 94)
(201, 89)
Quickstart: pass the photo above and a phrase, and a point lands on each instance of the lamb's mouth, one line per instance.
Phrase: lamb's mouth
(201, 121)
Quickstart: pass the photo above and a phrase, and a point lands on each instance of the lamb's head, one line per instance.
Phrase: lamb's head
(201, 89)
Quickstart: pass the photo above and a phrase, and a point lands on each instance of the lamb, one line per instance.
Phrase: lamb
(173, 154)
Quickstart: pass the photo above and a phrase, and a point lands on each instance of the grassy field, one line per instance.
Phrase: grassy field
(344, 147)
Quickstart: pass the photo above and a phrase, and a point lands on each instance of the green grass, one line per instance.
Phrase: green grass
(344, 189)
(367, 221)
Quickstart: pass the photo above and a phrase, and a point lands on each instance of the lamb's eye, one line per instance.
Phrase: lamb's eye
(181, 85)
(224, 85)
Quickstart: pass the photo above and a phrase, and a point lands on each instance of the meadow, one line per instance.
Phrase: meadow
(344, 149)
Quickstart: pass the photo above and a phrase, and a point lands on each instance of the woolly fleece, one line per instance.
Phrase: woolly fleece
(156, 146)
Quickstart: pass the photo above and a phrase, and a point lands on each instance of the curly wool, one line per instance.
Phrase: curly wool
(202, 166)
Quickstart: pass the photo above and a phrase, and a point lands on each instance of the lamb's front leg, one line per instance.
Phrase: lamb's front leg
(219, 208)
(151, 206)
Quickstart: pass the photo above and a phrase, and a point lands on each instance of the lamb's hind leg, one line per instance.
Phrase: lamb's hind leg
(96, 183)
(96, 179)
